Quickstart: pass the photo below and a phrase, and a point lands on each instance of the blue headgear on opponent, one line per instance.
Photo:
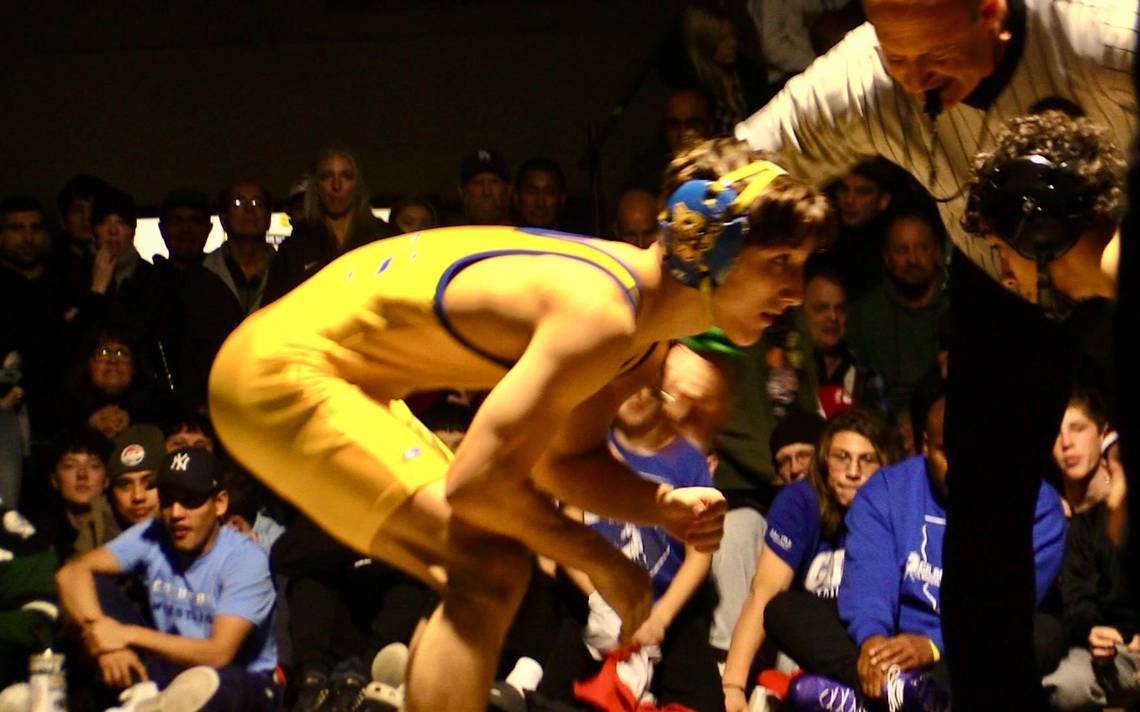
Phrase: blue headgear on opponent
(705, 222)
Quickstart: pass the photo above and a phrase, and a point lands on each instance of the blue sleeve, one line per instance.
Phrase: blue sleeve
(134, 547)
(247, 587)
(1048, 539)
(869, 590)
(791, 521)
(696, 469)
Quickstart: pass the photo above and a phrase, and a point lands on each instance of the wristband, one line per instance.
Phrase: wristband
(934, 649)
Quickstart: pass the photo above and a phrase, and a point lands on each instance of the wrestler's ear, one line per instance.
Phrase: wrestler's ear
(991, 13)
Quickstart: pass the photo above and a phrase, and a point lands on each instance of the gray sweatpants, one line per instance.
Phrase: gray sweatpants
(1080, 684)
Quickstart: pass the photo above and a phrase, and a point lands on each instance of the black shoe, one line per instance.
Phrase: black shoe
(347, 691)
(314, 693)
(505, 698)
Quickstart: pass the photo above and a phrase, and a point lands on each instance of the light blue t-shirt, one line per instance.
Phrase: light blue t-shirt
(232, 579)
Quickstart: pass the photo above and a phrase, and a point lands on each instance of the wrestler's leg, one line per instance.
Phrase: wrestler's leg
(454, 659)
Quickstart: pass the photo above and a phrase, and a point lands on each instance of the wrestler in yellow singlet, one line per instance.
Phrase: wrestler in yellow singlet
(306, 393)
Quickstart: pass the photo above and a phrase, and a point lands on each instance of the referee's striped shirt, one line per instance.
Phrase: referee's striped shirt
(845, 105)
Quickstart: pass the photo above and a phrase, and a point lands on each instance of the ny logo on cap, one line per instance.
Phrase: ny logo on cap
(180, 462)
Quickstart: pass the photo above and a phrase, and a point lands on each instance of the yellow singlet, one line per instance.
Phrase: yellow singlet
(305, 393)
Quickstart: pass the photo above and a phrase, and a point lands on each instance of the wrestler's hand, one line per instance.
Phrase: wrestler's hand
(626, 587)
(695, 515)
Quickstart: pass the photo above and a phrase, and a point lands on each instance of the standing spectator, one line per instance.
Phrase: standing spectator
(73, 250)
(184, 223)
(540, 194)
(295, 199)
(635, 220)
(210, 593)
(33, 334)
(793, 34)
(1077, 451)
(485, 188)
(711, 44)
(895, 325)
(242, 261)
(338, 218)
(799, 570)
(412, 214)
(862, 197)
(686, 119)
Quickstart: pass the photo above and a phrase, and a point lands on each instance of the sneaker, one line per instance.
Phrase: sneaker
(381, 697)
(505, 697)
(133, 696)
(914, 691)
(313, 692)
(347, 689)
(390, 665)
(816, 693)
(189, 692)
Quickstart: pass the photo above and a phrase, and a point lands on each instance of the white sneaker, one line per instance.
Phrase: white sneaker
(390, 665)
(189, 692)
(381, 697)
(16, 697)
(134, 695)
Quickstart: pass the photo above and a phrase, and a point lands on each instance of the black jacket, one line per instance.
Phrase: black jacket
(310, 248)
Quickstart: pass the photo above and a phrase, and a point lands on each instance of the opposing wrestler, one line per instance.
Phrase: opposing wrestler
(306, 394)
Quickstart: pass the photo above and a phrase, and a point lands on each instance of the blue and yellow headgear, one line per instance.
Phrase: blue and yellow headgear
(705, 222)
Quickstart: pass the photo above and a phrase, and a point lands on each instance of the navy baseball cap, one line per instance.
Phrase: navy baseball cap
(193, 469)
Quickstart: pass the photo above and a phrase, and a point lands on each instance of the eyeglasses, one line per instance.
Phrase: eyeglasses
(252, 203)
(865, 463)
(112, 354)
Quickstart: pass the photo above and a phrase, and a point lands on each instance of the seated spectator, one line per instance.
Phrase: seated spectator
(686, 119)
(539, 194)
(189, 430)
(210, 592)
(184, 223)
(82, 519)
(841, 378)
(132, 469)
(109, 392)
(635, 220)
(799, 570)
(895, 325)
(890, 597)
(338, 218)
(674, 639)
(343, 609)
(1077, 451)
(28, 610)
(1100, 621)
(793, 446)
(485, 188)
(793, 34)
(242, 261)
(862, 198)
(412, 214)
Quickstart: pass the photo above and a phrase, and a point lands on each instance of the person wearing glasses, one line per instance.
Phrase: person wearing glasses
(109, 390)
(799, 570)
(210, 592)
(891, 592)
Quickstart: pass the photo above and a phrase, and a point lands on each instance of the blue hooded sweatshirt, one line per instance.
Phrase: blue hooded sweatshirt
(892, 575)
